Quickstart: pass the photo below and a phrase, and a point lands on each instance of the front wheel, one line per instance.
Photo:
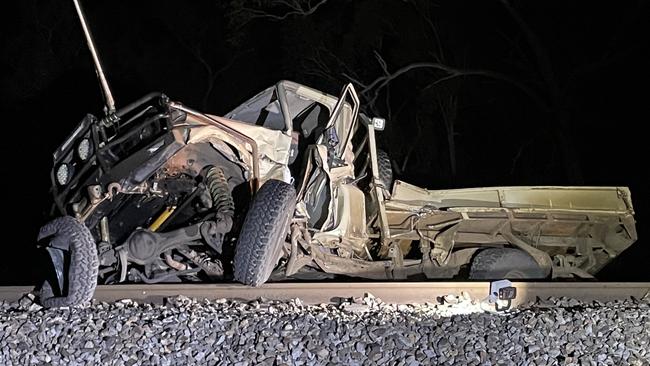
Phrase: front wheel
(71, 243)
(263, 233)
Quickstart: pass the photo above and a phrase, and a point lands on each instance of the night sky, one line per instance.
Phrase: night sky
(529, 92)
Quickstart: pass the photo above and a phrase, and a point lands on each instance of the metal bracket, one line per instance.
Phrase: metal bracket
(298, 260)
(443, 244)
(397, 259)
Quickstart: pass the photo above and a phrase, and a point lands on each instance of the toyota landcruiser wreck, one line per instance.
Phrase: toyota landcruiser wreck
(290, 184)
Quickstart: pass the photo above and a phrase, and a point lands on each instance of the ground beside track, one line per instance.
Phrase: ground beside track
(360, 331)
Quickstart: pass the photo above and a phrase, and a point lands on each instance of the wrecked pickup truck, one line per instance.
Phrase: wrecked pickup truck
(290, 184)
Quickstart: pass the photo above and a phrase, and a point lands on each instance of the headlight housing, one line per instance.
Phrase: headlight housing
(84, 149)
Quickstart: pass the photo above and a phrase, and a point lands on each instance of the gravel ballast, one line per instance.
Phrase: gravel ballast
(359, 331)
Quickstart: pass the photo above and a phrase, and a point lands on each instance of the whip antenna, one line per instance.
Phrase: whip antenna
(109, 109)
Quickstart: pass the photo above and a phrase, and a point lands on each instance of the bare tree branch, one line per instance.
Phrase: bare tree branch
(195, 49)
(380, 82)
(449, 111)
(440, 54)
(541, 56)
(354, 80)
(520, 152)
(213, 75)
(292, 8)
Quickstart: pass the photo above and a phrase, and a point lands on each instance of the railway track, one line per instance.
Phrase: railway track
(328, 292)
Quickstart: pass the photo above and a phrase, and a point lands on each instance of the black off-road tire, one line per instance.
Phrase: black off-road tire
(81, 276)
(504, 263)
(263, 232)
(385, 170)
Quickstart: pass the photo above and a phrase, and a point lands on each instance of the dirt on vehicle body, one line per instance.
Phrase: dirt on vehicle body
(167, 196)
(290, 184)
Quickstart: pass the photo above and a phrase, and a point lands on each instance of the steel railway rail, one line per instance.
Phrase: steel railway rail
(329, 292)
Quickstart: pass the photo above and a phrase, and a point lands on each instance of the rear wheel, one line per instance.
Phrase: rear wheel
(71, 243)
(504, 263)
(263, 233)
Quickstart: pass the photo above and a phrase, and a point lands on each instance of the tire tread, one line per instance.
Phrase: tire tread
(84, 263)
(261, 232)
(496, 263)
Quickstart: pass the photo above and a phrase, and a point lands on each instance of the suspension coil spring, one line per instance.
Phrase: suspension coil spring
(217, 184)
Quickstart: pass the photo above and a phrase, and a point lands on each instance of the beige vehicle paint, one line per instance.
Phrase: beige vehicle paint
(366, 232)
(341, 226)
(569, 231)
(580, 228)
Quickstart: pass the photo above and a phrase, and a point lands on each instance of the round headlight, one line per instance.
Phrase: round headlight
(84, 149)
(63, 174)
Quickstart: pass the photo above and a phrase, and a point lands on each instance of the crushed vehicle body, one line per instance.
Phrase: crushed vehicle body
(168, 193)
(291, 184)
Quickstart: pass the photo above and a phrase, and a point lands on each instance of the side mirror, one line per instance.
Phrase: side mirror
(378, 123)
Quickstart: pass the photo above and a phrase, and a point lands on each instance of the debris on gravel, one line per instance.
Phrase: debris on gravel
(454, 330)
